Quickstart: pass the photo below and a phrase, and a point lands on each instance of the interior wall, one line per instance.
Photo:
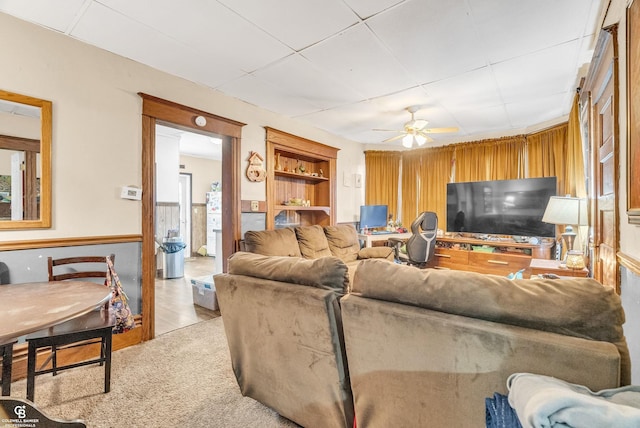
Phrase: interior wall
(167, 169)
(203, 173)
(97, 127)
(629, 234)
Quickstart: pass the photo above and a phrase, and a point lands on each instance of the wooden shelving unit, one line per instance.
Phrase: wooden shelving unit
(317, 184)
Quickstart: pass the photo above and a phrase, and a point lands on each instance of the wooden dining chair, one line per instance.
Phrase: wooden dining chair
(6, 353)
(95, 327)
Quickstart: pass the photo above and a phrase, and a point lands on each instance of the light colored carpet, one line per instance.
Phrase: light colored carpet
(182, 378)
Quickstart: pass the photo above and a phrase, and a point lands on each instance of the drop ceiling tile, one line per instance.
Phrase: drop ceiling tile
(348, 119)
(532, 111)
(484, 120)
(260, 93)
(545, 72)
(209, 28)
(476, 89)
(357, 59)
(298, 24)
(56, 15)
(395, 105)
(431, 41)
(296, 77)
(368, 8)
(510, 29)
(114, 32)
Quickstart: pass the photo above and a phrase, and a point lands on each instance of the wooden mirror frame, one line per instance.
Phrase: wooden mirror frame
(44, 221)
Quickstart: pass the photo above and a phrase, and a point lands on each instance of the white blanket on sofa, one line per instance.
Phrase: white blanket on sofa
(542, 401)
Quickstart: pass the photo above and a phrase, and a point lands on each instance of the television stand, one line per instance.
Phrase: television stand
(498, 256)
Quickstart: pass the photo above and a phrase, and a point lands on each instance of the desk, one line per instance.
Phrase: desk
(30, 307)
(540, 266)
(370, 239)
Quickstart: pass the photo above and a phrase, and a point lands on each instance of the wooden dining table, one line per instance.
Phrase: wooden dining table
(30, 307)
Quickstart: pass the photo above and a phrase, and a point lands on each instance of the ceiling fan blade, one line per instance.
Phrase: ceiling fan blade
(426, 137)
(419, 124)
(439, 130)
(397, 137)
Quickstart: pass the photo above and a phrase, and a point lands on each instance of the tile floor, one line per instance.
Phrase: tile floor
(174, 299)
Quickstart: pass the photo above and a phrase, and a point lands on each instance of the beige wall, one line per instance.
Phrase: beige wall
(97, 128)
(203, 173)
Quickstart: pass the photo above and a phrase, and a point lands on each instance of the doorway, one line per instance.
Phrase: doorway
(184, 196)
(188, 167)
(156, 110)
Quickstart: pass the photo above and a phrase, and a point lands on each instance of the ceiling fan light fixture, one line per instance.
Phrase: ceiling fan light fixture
(407, 141)
(420, 139)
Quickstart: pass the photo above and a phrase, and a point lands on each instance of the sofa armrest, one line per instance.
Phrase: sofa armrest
(376, 253)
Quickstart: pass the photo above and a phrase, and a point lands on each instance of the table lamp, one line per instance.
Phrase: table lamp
(567, 211)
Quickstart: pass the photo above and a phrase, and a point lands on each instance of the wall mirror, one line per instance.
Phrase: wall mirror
(25, 162)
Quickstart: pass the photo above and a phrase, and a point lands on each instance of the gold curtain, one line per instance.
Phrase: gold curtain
(556, 152)
(547, 156)
(498, 159)
(435, 171)
(410, 186)
(576, 181)
(381, 178)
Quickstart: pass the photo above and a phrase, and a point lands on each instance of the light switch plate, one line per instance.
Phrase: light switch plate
(255, 206)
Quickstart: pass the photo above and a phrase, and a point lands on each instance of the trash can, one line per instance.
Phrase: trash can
(173, 257)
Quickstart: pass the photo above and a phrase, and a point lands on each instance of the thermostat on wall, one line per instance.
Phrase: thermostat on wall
(130, 192)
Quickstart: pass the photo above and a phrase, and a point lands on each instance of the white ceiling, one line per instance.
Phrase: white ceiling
(489, 67)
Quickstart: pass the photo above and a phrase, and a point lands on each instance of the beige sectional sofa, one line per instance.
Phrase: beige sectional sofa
(312, 242)
(408, 347)
(282, 320)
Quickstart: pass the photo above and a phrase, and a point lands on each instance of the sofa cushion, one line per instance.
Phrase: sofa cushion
(329, 273)
(376, 253)
(580, 307)
(343, 241)
(278, 242)
(312, 242)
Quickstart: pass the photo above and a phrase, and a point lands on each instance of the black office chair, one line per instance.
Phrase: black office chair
(419, 248)
(95, 327)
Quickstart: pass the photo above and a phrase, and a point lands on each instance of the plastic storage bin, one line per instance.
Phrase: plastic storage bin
(204, 292)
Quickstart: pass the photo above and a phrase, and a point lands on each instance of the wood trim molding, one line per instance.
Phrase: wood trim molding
(629, 262)
(156, 110)
(68, 242)
(184, 115)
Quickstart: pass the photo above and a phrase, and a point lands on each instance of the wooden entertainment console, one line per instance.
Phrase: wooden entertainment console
(499, 256)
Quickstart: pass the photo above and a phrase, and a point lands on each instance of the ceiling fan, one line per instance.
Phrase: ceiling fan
(415, 130)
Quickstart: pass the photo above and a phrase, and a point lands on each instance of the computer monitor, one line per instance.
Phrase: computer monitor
(372, 216)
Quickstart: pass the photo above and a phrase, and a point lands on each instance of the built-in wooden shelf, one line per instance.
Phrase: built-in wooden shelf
(317, 184)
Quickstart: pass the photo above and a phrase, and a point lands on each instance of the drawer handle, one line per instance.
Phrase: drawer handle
(498, 262)
(446, 256)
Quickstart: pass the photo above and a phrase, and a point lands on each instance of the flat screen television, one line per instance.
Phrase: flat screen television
(501, 207)
(372, 216)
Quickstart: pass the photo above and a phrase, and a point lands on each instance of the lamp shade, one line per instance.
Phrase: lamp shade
(566, 210)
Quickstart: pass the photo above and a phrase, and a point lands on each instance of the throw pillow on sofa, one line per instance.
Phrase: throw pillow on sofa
(343, 241)
(312, 242)
(278, 242)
